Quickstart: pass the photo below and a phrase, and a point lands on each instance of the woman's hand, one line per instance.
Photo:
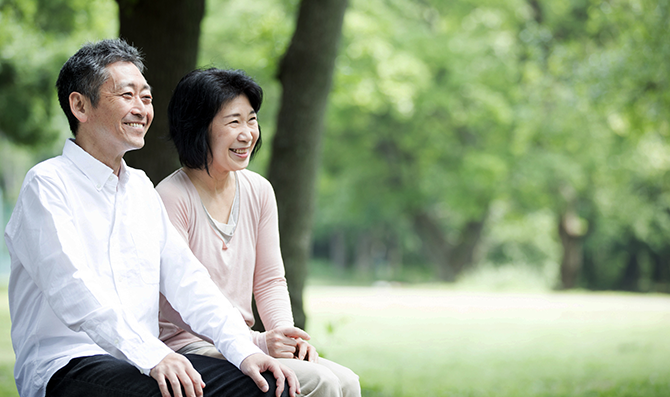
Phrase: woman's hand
(305, 351)
(290, 342)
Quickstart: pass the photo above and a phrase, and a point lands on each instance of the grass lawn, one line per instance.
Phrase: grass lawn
(7, 387)
(433, 341)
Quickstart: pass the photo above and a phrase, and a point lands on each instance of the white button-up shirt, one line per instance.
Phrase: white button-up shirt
(90, 253)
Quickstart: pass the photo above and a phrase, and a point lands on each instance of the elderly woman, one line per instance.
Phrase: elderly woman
(228, 216)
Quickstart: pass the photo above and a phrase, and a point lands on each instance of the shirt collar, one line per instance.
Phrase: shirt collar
(97, 172)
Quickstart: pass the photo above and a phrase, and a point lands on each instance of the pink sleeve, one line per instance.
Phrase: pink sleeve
(270, 288)
(177, 203)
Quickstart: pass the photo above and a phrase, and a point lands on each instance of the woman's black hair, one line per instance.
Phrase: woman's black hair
(196, 100)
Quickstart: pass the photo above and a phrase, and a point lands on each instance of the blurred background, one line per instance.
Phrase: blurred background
(519, 144)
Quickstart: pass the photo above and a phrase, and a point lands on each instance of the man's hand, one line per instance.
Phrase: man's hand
(258, 363)
(177, 370)
(290, 342)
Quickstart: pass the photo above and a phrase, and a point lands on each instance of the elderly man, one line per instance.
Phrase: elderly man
(92, 249)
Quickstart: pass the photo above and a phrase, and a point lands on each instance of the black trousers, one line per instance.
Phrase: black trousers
(106, 376)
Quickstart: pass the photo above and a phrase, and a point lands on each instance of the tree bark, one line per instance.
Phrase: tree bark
(338, 249)
(450, 259)
(436, 246)
(305, 74)
(167, 33)
(571, 240)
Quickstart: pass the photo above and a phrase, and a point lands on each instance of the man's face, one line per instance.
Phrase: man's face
(124, 111)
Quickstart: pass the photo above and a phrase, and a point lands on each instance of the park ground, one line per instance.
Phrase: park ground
(436, 340)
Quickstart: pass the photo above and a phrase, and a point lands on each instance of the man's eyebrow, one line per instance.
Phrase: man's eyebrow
(131, 84)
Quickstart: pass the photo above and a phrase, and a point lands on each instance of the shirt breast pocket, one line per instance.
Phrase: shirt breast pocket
(146, 270)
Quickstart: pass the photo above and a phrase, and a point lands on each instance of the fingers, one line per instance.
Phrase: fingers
(279, 345)
(162, 386)
(177, 370)
(196, 381)
(295, 333)
(292, 380)
(313, 355)
(176, 386)
(301, 350)
(252, 366)
(259, 380)
(305, 351)
(278, 372)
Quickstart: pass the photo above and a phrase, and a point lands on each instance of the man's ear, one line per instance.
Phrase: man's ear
(80, 106)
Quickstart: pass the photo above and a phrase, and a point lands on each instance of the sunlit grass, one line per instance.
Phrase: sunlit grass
(445, 342)
(7, 387)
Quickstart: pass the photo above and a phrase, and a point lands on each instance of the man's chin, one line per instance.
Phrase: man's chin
(135, 145)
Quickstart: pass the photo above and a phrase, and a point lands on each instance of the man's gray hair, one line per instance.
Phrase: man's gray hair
(86, 71)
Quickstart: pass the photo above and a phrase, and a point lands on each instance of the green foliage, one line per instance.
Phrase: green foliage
(252, 37)
(535, 106)
(36, 37)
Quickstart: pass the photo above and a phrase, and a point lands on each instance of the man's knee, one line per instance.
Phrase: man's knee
(272, 382)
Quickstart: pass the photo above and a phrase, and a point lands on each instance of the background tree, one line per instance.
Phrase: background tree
(305, 73)
(168, 34)
(36, 38)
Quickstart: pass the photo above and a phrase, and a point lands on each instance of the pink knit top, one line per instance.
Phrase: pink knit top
(250, 263)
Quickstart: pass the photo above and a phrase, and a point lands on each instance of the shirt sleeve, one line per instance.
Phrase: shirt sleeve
(187, 286)
(49, 246)
(270, 288)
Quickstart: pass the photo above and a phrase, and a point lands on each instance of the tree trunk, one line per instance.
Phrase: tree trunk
(462, 255)
(167, 33)
(571, 240)
(660, 273)
(436, 246)
(630, 276)
(305, 74)
(450, 259)
(338, 249)
(364, 261)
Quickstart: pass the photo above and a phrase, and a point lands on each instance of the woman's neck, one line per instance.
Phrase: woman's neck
(216, 191)
(213, 183)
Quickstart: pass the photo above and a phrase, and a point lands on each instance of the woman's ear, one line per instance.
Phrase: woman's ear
(79, 105)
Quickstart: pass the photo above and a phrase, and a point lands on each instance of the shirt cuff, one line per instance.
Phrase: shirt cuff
(260, 341)
(240, 351)
(151, 357)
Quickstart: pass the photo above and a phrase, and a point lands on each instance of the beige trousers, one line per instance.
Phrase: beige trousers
(323, 379)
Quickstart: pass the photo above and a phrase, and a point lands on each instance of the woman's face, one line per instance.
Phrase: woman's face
(233, 134)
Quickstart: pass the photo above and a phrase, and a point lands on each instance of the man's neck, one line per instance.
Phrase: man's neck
(100, 152)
